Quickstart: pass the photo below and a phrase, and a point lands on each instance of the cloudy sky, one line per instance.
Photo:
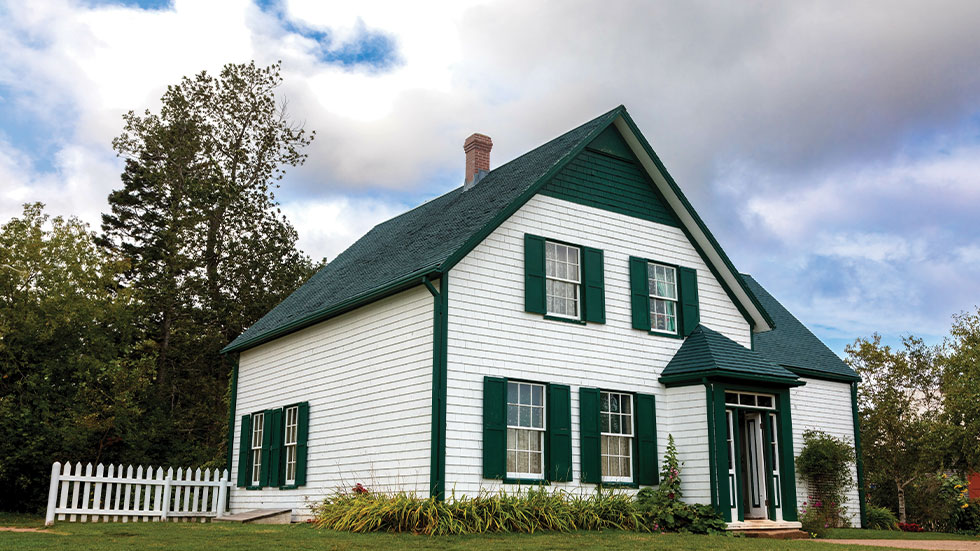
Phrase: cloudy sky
(832, 147)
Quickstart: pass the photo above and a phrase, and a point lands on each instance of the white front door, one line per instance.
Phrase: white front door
(755, 485)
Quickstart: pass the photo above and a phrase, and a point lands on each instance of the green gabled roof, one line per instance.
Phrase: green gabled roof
(431, 238)
(708, 353)
(793, 346)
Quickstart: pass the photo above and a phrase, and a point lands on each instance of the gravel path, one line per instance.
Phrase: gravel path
(932, 545)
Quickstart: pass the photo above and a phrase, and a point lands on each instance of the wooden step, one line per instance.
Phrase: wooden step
(778, 534)
(259, 516)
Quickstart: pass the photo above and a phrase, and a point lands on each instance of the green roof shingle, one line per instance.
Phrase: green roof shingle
(708, 353)
(792, 345)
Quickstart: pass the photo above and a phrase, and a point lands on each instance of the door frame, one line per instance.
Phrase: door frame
(721, 497)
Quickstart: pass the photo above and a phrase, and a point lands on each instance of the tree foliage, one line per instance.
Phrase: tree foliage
(209, 250)
(961, 390)
(73, 371)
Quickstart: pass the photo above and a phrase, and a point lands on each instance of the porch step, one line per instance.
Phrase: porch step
(260, 516)
(779, 534)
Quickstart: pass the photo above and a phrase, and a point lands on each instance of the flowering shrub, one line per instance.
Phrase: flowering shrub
(814, 517)
(359, 489)
(825, 463)
(910, 527)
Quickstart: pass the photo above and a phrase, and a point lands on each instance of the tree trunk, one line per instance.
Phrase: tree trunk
(901, 501)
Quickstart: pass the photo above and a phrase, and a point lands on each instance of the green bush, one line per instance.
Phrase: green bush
(524, 511)
(815, 519)
(880, 518)
(966, 518)
(663, 509)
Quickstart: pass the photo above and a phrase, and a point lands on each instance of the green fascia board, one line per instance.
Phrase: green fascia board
(822, 375)
(718, 375)
(698, 221)
(400, 284)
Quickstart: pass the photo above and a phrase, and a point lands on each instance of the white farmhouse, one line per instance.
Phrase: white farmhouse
(549, 322)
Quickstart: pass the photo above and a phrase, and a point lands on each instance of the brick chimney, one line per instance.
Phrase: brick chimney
(477, 148)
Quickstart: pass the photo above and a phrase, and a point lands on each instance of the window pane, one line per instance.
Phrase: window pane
(512, 415)
(525, 394)
(603, 401)
(604, 445)
(536, 395)
(731, 398)
(522, 439)
(614, 403)
(613, 423)
(524, 416)
(534, 441)
(627, 425)
(537, 420)
(535, 463)
(765, 401)
(512, 393)
(604, 422)
(511, 439)
(626, 403)
(746, 399)
(512, 462)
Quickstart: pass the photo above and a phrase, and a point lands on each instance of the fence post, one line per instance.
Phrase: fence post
(53, 493)
(166, 496)
(222, 495)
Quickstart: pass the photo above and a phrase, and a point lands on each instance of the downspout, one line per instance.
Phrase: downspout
(440, 333)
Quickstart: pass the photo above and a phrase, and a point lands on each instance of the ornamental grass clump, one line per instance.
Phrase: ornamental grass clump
(522, 511)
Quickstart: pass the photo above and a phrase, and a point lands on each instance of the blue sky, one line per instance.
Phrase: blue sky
(833, 149)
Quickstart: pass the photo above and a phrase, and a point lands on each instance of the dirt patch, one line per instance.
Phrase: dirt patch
(19, 529)
(930, 545)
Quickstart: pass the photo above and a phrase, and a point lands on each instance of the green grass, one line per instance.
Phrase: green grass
(858, 534)
(218, 537)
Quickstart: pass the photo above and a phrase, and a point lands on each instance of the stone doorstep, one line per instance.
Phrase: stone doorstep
(768, 529)
(260, 516)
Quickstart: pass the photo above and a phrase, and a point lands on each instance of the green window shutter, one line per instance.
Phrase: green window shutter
(559, 450)
(302, 435)
(646, 439)
(494, 427)
(594, 303)
(245, 452)
(690, 310)
(534, 272)
(274, 424)
(640, 293)
(588, 407)
(266, 447)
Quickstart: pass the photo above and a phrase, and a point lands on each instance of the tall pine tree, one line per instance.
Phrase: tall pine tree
(208, 248)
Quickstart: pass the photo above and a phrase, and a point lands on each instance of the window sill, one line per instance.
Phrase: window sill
(667, 335)
(289, 487)
(619, 485)
(253, 487)
(566, 320)
(527, 481)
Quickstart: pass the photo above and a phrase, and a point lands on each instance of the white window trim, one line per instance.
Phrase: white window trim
(576, 282)
(620, 434)
(258, 434)
(651, 269)
(540, 432)
(290, 446)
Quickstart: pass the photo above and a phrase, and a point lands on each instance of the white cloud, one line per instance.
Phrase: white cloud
(331, 225)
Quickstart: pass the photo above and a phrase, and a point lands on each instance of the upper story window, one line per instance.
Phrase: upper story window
(525, 430)
(258, 432)
(563, 280)
(663, 297)
(616, 430)
(289, 441)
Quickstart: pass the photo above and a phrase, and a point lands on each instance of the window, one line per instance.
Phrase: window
(289, 442)
(525, 430)
(750, 399)
(563, 278)
(258, 430)
(616, 430)
(663, 298)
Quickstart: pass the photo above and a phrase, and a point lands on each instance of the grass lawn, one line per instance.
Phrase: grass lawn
(858, 534)
(217, 537)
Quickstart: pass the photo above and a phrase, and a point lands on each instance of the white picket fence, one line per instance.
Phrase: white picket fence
(110, 496)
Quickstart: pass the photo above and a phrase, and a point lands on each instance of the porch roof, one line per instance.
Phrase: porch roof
(708, 353)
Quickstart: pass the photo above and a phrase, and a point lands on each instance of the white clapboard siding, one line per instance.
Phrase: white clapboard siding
(824, 406)
(491, 334)
(367, 376)
(110, 495)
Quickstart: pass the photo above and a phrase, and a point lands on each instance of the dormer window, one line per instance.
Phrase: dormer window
(563, 278)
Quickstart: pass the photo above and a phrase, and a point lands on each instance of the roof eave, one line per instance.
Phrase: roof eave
(823, 375)
(697, 377)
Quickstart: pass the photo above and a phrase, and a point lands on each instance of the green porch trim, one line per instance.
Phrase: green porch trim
(787, 460)
(392, 287)
(713, 450)
(232, 403)
(440, 337)
(857, 454)
(720, 375)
